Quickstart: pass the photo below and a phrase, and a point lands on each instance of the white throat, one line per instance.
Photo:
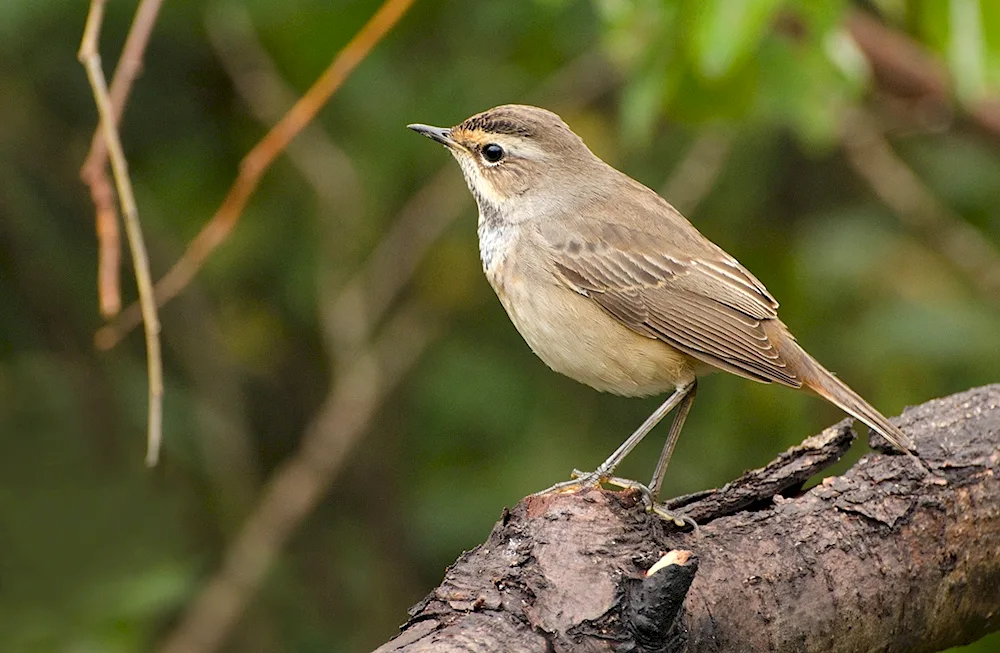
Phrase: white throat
(496, 233)
(496, 236)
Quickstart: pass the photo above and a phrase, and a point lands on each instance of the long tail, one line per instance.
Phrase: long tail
(826, 385)
(818, 379)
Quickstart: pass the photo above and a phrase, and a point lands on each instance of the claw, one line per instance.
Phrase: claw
(680, 521)
(628, 484)
(586, 480)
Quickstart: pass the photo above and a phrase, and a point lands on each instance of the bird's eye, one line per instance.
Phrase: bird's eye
(492, 152)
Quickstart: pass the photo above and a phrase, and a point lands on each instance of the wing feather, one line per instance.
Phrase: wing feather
(707, 306)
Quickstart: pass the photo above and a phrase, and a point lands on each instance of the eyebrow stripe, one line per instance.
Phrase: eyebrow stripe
(492, 125)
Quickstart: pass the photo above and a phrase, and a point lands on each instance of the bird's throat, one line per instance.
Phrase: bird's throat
(496, 236)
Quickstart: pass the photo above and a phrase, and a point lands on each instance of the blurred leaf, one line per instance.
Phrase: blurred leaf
(991, 40)
(725, 32)
(845, 54)
(631, 29)
(641, 37)
(966, 34)
(801, 87)
(967, 48)
(932, 16)
(893, 9)
(643, 99)
(695, 100)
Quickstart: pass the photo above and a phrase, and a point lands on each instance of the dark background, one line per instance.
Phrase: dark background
(737, 111)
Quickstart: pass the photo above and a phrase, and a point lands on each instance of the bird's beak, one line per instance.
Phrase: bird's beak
(439, 134)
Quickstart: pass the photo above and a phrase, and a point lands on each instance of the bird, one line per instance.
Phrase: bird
(611, 286)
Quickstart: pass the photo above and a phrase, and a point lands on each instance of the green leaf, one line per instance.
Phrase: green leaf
(801, 87)
(932, 18)
(967, 48)
(695, 100)
(642, 103)
(991, 41)
(726, 32)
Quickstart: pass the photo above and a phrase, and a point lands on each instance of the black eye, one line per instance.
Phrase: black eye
(492, 152)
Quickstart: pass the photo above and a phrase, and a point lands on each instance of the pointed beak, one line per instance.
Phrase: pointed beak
(439, 134)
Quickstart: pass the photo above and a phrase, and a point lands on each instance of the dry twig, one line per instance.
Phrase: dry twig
(256, 78)
(256, 163)
(94, 171)
(91, 60)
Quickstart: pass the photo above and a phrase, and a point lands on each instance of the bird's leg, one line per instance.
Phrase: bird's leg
(668, 447)
(605, 469)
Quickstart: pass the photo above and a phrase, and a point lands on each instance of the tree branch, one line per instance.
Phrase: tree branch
(881, 558)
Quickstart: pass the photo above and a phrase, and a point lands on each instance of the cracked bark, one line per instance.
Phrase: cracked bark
(882, 558)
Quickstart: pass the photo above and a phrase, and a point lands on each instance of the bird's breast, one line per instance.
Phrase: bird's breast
(576, 337)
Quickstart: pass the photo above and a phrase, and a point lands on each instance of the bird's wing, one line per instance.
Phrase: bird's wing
(705, 304)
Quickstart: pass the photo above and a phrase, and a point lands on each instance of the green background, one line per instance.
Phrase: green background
(98, 553)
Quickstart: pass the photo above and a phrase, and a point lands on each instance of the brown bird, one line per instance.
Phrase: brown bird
(611, 286)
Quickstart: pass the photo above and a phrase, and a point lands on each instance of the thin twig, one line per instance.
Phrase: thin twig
(109, 244)
(256, 78)
(91, 60)
(255, 163)
(94, 171)
(898, 186)
(128, 68)
(299, 484)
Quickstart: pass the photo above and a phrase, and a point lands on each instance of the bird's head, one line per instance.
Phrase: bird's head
(512, 151)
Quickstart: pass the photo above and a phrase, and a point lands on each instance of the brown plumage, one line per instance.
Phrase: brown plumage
(611, 286)
(699, 300)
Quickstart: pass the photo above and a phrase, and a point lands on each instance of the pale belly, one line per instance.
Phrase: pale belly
(575, 337)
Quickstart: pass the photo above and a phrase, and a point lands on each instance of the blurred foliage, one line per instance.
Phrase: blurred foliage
(764, 62)
(100, 554)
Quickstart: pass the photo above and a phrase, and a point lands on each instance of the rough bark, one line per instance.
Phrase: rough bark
(883, 558)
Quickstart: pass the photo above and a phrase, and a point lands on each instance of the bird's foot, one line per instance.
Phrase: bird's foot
(658, 509)
(629, 484)
(579, 481)
(588, 480)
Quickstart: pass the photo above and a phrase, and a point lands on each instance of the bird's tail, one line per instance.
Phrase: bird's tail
(818, 379)
(821, 381)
